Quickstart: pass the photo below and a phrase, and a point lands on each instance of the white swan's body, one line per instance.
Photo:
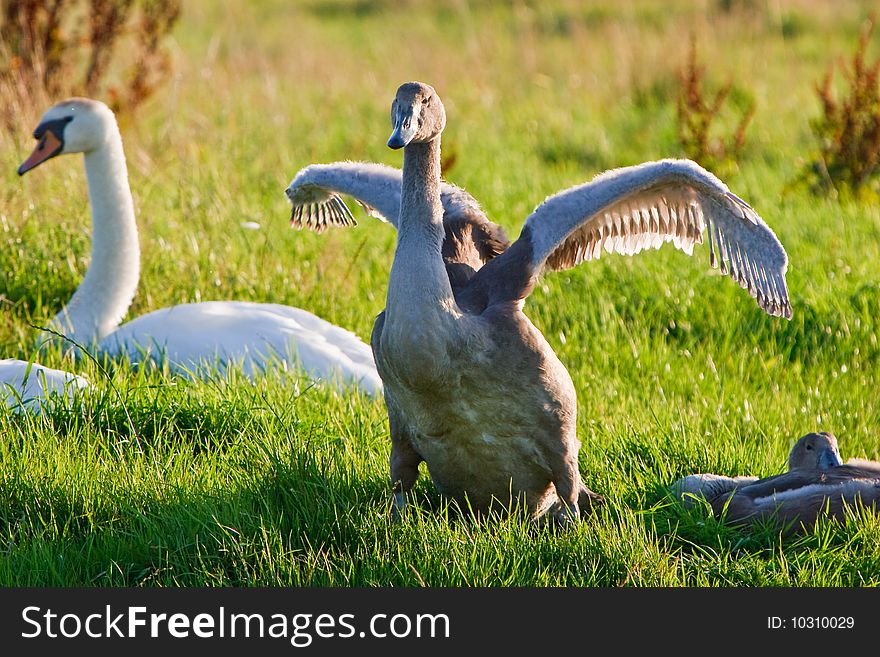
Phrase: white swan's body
(250, 335)
(191, 338)
(29, 386)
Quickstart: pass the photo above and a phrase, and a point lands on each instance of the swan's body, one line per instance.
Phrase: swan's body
(249, 335)
(817, 483)
(28, 385)
(472, 387)
(188, 337)
(476, 392)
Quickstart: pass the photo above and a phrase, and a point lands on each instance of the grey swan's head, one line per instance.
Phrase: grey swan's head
(417, 115)
(816, 451)
(76, 125)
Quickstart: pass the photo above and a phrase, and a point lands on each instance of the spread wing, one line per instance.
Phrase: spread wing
(635, 208)
(315, 194)
(317, 208)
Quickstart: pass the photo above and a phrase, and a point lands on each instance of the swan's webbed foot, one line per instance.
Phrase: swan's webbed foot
(560, 515)
(588, 501)
(566, 515)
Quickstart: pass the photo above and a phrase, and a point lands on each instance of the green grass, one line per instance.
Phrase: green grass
(152, 480)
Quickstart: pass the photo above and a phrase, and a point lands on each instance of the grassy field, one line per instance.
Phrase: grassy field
(158, 481)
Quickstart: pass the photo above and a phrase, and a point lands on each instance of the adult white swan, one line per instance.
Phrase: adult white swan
(471, 386)
(28, 385)
(195, 337)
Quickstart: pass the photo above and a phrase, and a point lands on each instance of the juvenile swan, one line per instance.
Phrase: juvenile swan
(815, 451)
(189, 336)
(471, 386)
(817, 483)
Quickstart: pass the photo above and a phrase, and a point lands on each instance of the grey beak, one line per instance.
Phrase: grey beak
(396, 140)
(829, 458)
(404, 130)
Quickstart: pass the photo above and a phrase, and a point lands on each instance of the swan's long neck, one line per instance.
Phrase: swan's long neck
(418, 285)
(108, 288)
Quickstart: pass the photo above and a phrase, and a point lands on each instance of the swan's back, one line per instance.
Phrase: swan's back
(470, 241)
(28, 385)
(192, 337)
(801, 497)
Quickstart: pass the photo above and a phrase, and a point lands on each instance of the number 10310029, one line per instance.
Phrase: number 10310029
(810, 623)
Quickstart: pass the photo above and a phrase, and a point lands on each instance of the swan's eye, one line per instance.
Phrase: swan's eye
(426, 101)
(809, 447)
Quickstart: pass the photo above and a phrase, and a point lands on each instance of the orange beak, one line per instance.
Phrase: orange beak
(48, 146)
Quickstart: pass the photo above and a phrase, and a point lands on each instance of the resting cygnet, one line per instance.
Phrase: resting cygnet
(816, 483)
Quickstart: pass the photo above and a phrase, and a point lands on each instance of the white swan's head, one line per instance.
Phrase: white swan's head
(417, 115)
(815, 451)
(76, 125)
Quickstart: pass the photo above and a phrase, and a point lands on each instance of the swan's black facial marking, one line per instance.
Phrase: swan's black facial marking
(50, 142)
(56, 127)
